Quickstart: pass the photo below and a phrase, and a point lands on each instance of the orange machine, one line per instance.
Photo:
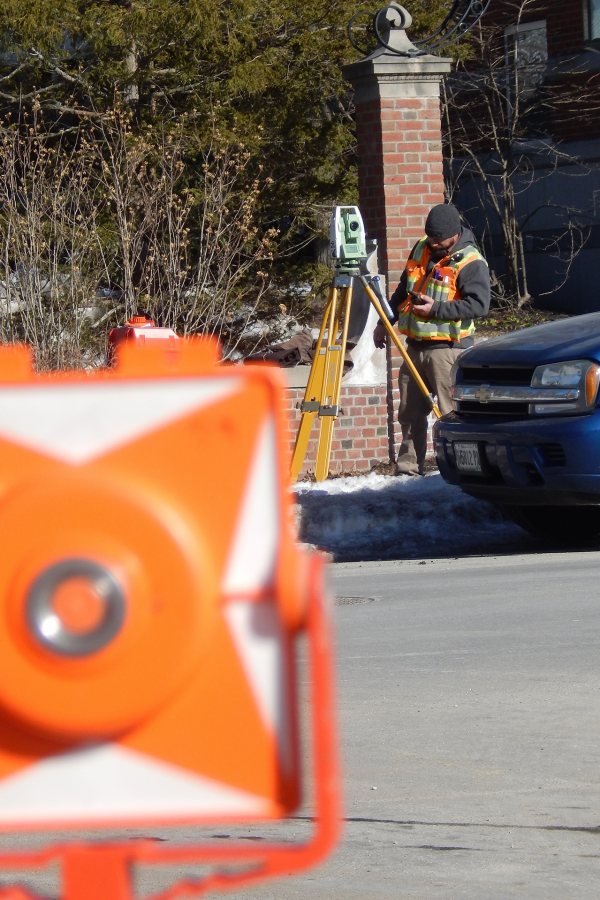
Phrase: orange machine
(139, 329)
(151, 599)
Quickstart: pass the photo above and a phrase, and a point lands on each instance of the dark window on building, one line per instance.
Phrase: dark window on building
(526, 59)
(527, 55)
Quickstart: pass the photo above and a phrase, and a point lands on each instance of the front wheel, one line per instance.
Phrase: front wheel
(563, 525)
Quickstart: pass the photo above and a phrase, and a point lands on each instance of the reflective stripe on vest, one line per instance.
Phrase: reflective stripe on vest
(439, 284)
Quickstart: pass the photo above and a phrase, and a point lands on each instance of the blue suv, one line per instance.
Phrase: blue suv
(525, 433)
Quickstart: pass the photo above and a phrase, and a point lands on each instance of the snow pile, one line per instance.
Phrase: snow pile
(399, 517)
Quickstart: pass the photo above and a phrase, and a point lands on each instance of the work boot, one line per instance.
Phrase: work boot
(407, 462)
(404, 470)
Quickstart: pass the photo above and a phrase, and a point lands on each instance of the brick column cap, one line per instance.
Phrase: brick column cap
(393, 76)
(402, 66)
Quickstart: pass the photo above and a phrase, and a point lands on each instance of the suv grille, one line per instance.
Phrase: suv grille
(514, 410)
(552, 454)
(481, 391)
(495, 375)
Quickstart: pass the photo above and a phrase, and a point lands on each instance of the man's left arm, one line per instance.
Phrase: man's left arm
(473, 284)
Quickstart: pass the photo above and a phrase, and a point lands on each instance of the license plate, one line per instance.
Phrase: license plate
(467, 457)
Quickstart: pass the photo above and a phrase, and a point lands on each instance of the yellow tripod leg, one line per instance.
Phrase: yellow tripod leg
(323, 388)
(334, 366)
(396, 340)
(314, 388)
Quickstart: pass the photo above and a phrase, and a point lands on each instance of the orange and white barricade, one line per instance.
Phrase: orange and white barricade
(152, 596)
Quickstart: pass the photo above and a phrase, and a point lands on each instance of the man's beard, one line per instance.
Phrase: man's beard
(437, 253)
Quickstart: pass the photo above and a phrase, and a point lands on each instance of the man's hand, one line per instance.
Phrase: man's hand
(379, 335)
(421, 305)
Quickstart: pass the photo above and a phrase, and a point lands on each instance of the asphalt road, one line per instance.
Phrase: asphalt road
(469, 697)
(469, 715)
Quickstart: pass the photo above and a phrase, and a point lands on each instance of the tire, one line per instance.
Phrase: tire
(559, 525)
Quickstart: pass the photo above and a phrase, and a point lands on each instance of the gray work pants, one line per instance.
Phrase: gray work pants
(433, 365)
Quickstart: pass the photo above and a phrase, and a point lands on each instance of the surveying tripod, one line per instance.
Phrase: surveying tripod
(322, 395)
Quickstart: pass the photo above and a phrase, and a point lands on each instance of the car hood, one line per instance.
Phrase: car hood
(577, 337)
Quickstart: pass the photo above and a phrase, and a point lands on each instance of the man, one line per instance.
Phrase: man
(444, 286)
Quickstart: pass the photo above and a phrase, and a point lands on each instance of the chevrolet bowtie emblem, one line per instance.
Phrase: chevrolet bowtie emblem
(484, 393)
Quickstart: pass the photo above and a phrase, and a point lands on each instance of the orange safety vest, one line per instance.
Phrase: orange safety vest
(439, 284)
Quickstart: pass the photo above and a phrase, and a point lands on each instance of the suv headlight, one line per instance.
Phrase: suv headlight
(572, 387)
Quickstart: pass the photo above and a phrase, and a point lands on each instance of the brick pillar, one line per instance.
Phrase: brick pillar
(400, 166)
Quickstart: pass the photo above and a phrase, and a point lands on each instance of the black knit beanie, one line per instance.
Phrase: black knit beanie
(442, 222)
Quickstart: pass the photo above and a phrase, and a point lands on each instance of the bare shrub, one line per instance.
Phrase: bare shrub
(191, 257)
(502, 111)
(98, 223)
(50, 263)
